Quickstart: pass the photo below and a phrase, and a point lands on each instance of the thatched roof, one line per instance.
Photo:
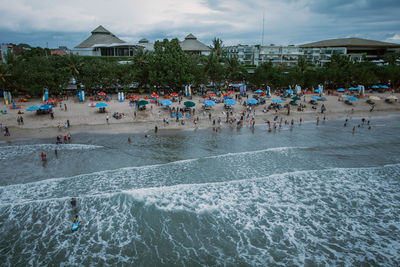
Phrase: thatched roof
(99, 36)
(351, 42)
(191, 44)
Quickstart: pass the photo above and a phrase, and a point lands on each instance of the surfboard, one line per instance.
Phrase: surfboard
(75, 226)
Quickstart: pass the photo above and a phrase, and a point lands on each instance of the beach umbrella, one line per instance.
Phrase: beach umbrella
(101, 105)
(352, 98)
(318, 91)
(166, 103)
(259, 91)
(230, 92)
(209, 103)
(392, 97)
(252, 101)
(276, 100)
(136, 96)
(295, 98)
(230, 102)
(289, 91)
(174, 94)
(46, 107)
(189, 104)
(102, 93)
(353, 88)
(142, 102)
(340, 90)
(385, 87)
(374, 98)
(154, 95)
(236, 85)
(33, 108)
(316, 97)
(211, 94)
(375, 87)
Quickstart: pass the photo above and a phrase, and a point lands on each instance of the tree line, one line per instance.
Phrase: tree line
(169, 67)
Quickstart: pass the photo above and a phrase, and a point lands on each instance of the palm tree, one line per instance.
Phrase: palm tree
(217, 46)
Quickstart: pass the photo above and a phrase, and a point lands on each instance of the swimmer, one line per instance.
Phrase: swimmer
(129, 140)
(75, 219)
(73, 202)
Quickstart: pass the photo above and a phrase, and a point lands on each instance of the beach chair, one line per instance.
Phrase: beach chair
(172, 115)
(179, 114)
(187, 115)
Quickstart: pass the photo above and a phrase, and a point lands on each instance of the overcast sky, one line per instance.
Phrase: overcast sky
(69, 22)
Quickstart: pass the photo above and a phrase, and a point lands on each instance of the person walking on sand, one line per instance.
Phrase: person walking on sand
(65, 107)
(317, 121)
(107, 119)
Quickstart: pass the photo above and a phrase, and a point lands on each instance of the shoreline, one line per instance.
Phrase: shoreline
(82, 121)
(21, 134)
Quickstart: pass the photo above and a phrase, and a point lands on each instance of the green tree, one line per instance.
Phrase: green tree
(217, 46)
(213, 70)
(169, 65)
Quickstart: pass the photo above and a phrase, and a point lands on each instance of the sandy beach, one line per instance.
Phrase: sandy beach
(84, 118)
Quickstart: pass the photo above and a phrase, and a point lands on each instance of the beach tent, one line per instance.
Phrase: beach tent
(142, 102)
(252, 101)
(189, 104)
(209, 103)
(230, 102)
(33, 108)
(101, 105)
(166, 103)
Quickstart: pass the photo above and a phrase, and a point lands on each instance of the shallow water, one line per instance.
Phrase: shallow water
(303, 196)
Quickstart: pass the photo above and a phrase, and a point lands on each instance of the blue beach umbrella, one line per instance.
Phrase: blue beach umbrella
(375, 87)
(352, 98)
(33, 108)
(289, 91)
(209, 103)
(318, 91)
(101, 105)
(259, 91)
(316, 97)
(166, 103)
(46, 107)
(230, 102)
(353, 88)
(276, 100)
(340, 90)
(385, 87)
(252, 101)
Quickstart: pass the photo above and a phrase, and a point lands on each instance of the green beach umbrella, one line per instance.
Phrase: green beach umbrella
(296, 98)
(189, 104)
(142, 102)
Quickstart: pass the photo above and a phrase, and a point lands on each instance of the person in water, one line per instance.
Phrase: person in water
(73, 202)
(75, 219)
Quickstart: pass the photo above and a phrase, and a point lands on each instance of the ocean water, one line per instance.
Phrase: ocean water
(307, 195)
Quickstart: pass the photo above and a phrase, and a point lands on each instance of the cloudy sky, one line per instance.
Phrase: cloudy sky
(55, 22)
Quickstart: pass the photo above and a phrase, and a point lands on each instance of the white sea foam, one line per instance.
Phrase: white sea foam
(335, 215)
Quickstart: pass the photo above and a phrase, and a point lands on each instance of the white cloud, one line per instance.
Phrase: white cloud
(286, 21)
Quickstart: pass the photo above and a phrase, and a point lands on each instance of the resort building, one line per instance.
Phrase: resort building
(192, 46)
(318, 53)
(356, 48)
(244, 53)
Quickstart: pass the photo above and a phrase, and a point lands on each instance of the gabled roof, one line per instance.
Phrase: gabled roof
(191, 44)
(350, 42)
(101, 29)
(143, 40)
(99, 36)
